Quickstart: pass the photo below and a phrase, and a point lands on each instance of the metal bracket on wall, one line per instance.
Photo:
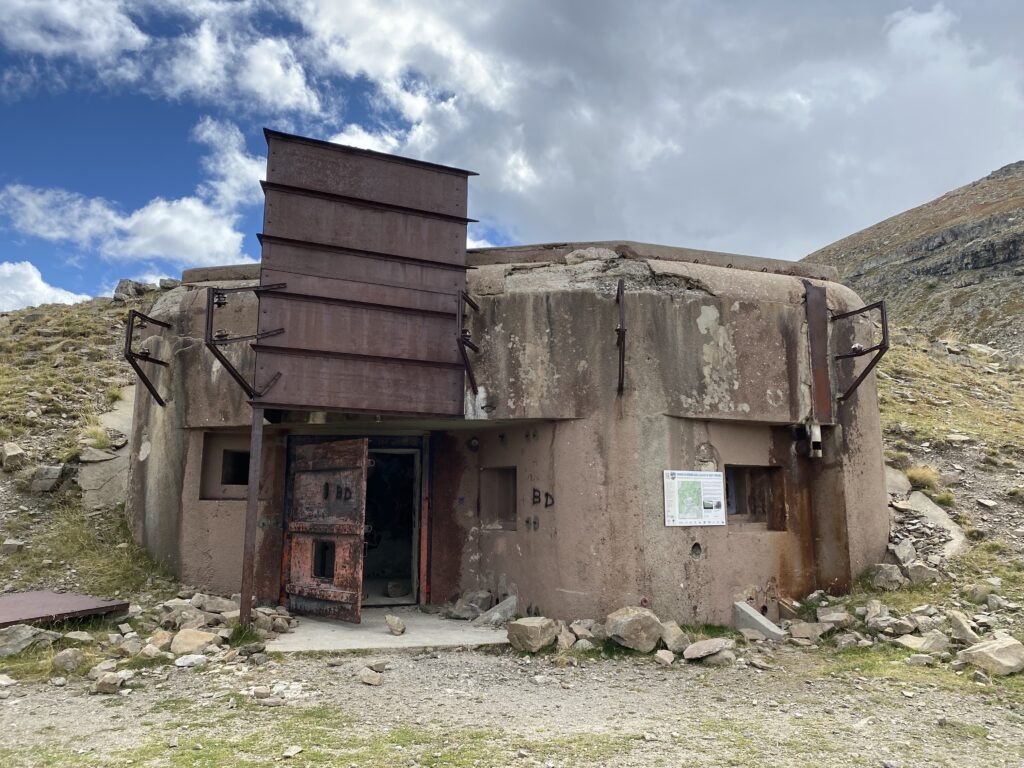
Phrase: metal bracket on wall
(620, 332)
(857, 351)
(217, 298)
(464, 339)
(143, 355)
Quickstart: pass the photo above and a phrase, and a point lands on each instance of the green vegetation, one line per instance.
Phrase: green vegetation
(58, 366)
(943, 498)
(99, 547)
(924, 395)
(923, 477)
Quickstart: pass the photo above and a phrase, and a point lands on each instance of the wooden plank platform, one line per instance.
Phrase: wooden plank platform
(31, 607)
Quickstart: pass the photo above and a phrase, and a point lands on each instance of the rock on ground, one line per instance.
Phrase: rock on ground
(704, 648)
(532, 633)
(499, 615)
(634, 627)
(395, 625)
(192, 641)
(18, 637)
(673, 637)
(887, 577)
(1001, 656)
(368, 676)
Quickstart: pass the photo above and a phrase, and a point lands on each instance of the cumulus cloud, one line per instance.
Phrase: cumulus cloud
(89, 30)
(22, 285)
(765, 130)
(194, 230)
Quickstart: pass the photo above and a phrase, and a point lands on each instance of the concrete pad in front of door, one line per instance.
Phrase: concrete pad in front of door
(422, 630)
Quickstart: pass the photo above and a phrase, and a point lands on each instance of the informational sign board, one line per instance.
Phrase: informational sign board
(694, 498)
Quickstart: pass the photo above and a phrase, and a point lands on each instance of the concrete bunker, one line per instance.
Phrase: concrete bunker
(584, 426)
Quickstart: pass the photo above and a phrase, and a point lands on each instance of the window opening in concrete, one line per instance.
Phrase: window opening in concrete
(234, 468)
(392, 512)
(498, 498)
(225, 466)
(755, 495)
(323, 559)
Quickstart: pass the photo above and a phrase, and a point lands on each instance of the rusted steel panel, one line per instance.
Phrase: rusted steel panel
(359, 384)
(359, 291)
(326, 517)
(30, 607)
(295, 258)
(338, 328)
(310, 218)
(816, 308)
(368, 175)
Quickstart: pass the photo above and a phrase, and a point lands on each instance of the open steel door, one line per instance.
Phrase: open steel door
(326, 519)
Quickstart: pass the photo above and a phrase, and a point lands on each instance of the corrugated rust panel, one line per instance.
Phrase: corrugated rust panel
(29, 607)
(319, 326)
(817, 338)
(359, 384)
(311, 218)
(329, 167)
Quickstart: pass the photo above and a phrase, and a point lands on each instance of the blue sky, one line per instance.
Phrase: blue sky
(134, 148)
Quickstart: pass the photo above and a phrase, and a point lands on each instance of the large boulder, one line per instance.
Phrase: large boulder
(961, 628)
(68, 660)
(673, 637)
(193, 641)
(704, 648)
(1001, 656)
(18, 637)
(887, 577)
(634, 627)
(213, 603)
(532, 633)
(45, 479)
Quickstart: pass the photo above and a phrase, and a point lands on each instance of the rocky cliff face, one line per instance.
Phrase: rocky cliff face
(952, 267)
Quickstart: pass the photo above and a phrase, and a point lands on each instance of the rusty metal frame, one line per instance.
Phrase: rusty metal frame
(817, 318)
(620, 333)
(463, 338)
(880, 348)
(143, 354)
(217, 297)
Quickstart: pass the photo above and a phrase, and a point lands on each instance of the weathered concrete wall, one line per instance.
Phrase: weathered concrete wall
(717, 371)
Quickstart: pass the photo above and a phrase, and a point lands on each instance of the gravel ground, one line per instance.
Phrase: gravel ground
(480, 708)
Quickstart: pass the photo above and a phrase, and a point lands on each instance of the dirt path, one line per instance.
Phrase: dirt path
(474, 708)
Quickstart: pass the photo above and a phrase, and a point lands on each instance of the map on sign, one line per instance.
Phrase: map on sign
(694, 498)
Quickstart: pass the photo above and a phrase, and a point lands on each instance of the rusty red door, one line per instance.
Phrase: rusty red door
(325, 524)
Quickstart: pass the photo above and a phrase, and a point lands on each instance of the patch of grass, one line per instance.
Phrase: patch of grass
(96, 436)
(923, 477)
(898, 459)
(943, 498)
(106, 559)
(947, 395)
(243, 636)
(113, 395)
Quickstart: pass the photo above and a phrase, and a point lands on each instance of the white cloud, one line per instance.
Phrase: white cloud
(271, 73)
(356, 136)
(196, 64)
(22, 285)
(196, 230)
(89, 30)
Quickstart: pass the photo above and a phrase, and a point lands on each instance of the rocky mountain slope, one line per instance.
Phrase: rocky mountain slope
(951, 267)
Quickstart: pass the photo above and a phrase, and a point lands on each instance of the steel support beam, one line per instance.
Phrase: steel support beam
(251, 516)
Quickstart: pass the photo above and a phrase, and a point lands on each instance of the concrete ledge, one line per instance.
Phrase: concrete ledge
(217, 274)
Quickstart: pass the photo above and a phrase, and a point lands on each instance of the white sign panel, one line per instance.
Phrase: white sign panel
(694, 498)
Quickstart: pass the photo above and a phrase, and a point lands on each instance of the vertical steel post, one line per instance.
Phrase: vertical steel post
(251, 516)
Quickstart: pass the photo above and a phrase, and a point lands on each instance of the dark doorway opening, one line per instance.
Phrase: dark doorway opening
(392, 505)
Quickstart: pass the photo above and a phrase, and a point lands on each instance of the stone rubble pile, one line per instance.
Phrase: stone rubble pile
(192, 630)
(632, 627)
